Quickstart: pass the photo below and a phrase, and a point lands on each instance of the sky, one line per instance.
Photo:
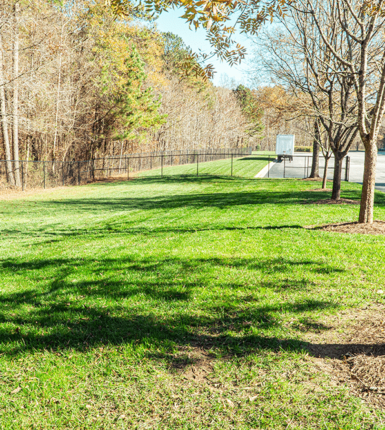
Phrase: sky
(171, 21)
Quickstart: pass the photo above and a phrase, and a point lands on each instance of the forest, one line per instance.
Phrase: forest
(79, 82)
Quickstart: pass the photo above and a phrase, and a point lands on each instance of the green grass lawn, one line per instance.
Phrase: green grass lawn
(178, 303)
(246, 167)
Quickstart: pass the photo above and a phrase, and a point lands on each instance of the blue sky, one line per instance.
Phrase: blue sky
(171, 21)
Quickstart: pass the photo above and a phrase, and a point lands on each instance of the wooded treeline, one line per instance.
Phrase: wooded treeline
(76, 82)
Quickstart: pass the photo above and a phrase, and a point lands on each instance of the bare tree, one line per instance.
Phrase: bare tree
(280, 116)
(316, 150)
(359, 24)
(300, 59)
(15, 102)
(212, 119)
(4, 115)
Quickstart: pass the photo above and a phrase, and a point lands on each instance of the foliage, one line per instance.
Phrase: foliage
(282, 114)
(135, 107)
(88, 77)
(200, 118)
(251, 109)
(180, 60)
(119, 48)
(216, 16)
(303, 148)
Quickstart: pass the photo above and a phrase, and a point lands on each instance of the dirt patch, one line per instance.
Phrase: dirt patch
(11, 193)
(322, 189)
(191, 362)
(333, 202)
(112, 179)
(377, 228)
(201, 368)
(352, 352)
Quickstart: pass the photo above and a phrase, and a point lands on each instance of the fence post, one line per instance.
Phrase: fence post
(304, 167)
(55, 171)
(197, 164)
(128, 168)
(232, 157)
(268, 167)
(78, 172)
(22, 175)
(284, 167)
(44, 172)
(161, 164)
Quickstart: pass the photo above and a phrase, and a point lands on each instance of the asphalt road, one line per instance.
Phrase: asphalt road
(301, 165)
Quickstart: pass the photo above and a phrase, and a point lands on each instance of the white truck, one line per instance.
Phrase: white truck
(284, 147)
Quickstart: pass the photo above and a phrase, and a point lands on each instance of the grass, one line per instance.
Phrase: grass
(245, 167)
(178, 303)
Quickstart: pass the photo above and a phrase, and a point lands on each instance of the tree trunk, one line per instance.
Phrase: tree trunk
(316, 151)
(325, 175)
(16, 96)
(336, 193)
(57, 109)
(367, 196)
(4, 118)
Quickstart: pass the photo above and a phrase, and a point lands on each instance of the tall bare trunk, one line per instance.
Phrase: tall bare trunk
(316, 151)
(57, 109)
(27, 163)
(367, 197)
(336, 193)
(4, 119)
(16, 95)
(325, 175)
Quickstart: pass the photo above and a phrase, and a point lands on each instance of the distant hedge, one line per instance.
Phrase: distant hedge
(303, 149)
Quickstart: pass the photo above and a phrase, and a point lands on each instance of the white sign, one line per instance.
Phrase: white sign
(285, 144)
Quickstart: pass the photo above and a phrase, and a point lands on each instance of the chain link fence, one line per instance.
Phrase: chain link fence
(299, 166)
(47, 174)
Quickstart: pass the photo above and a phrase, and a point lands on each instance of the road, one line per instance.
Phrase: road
(300, 168)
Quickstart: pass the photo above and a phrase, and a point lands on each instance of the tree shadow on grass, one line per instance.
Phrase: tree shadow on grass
(197, 201)
(260, 182)
(257, 157)
(82, 303)
(256, 196)
(120, 228)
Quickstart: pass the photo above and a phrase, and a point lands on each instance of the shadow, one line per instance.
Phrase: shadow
(257, 157)
(151, 302)
(255, 195)
(116, 228)
(341, 351)
(159, 303)
(199, 200)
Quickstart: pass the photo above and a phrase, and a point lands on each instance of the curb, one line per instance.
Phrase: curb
(264, 171)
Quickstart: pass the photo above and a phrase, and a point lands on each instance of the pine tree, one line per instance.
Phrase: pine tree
(136, 108)
(251, 109)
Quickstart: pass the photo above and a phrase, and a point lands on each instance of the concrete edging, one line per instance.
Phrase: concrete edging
(264, 171)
